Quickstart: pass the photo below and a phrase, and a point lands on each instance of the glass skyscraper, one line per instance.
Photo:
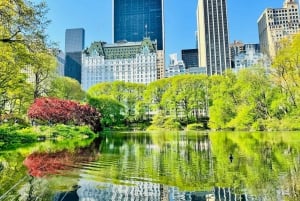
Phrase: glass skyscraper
(190, 58)
(136, 19)
(74, 44)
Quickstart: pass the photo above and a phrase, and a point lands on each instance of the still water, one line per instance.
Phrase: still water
(171, 166)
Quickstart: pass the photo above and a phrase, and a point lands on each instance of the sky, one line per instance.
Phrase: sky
(95, 16)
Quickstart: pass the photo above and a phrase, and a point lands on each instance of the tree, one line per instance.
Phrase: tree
(66, 88)
(24, 51)
(154, 92)
(23, 22)
(112, 112)
(127, 94)
(54, 110)
(255, 97)
(14, 90)
(186, 96)
(41, 72)
(224, 100)
(286, 68)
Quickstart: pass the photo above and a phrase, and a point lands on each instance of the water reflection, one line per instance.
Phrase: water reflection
(40, 164)
(163, 166)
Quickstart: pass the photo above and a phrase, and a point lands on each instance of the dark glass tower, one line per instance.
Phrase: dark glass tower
(136, 19)
(74, 44)
(190, 58)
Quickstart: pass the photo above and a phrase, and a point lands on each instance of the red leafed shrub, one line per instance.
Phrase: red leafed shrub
(54, 110)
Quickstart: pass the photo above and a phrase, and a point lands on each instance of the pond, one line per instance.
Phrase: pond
(185, 166)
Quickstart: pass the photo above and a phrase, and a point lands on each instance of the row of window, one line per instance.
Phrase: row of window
(283, 10)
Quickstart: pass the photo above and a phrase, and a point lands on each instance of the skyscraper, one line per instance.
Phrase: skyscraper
(212, 29)
(74, 44)
(133, 20)
(277, 23)
(190, 58)
(136, 19)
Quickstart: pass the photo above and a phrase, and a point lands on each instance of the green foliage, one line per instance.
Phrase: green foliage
(111, 110)
(64, 131)
(66, 88)
(195, 127)
(10, 134)
(224, 97)
(27, 64)
(129, 95)
(161, 122)
(171, 124)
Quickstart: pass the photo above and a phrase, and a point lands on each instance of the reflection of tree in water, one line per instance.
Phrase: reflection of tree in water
(41, 164)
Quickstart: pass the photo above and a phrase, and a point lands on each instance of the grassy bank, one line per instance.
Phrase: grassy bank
(17, 134)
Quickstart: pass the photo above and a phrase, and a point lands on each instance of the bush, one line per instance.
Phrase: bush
(195, 126)
(11, 134)
(54, 111)
(172, 124)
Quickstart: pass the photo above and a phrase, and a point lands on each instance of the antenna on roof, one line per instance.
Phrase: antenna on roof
(146, 28)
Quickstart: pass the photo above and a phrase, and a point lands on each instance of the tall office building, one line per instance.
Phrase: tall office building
(212, 29)
(190, 57)
(277, 23)
(134, 20)
(74, 44)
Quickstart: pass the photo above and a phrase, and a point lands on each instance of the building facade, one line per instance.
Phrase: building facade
(135, 19)
(190, 58)
(178, 67)
(129, 62)
(275, 24)
(74, 44)
(60, 57)
(250, 56)
(212, 30)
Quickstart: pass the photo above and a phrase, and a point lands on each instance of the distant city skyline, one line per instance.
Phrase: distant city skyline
(180, 21)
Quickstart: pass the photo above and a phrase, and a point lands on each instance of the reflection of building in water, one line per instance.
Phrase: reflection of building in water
(135, 190)
(138, 190)
(227, 194)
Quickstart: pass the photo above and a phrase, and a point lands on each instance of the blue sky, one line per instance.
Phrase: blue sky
(95, 16)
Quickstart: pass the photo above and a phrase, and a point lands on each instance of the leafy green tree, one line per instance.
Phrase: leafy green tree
(285, 69)
(154, 92)
(224, 99)
(186, 97)
(41, 72)
(24, 51)
(23, 22)
(255, 97)
(66, 88)
(14, 89)
(127, 94)
(112, 112)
